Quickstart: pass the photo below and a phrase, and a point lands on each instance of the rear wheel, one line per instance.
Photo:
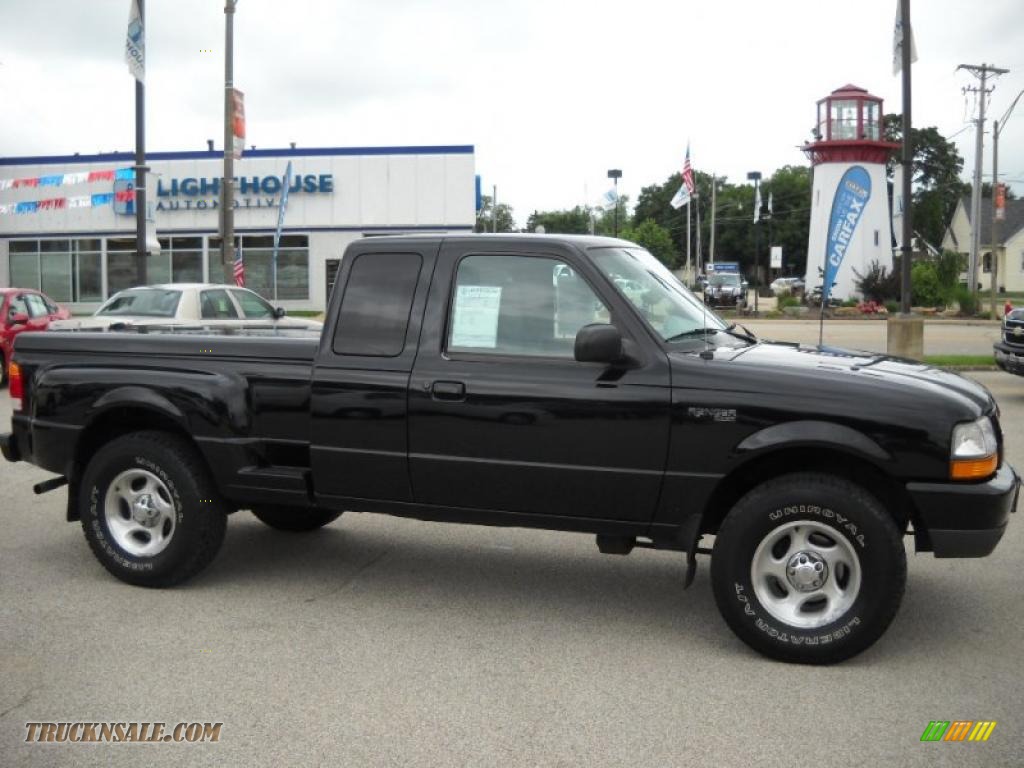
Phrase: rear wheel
(808, 568)
(295, 519)
(149, 509)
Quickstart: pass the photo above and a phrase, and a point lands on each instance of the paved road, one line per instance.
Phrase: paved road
(941, 337)
(383, 642)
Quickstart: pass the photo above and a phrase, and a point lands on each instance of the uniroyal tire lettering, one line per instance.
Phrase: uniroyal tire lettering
(825, 512)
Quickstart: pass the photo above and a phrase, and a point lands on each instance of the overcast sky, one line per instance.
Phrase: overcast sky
(552, 93)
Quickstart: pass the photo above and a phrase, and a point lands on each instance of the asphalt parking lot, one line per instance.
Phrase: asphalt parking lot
(381, 641)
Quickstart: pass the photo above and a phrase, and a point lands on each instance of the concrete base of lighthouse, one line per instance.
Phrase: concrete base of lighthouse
(905, 336)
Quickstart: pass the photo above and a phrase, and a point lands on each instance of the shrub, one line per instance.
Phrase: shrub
(968, 301)
(788, 300)
(925, 288)
(878, 283)
(892, 306)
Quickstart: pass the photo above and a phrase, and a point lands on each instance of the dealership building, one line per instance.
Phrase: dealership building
(67, 227)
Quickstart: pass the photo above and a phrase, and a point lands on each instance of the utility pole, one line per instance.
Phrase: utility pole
(494, 209)
(982, 72)
(227, 246)
(997, 214)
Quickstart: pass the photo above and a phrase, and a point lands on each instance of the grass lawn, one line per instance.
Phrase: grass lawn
(958, 361)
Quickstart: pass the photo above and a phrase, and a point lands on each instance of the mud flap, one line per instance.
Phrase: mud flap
(689, 536)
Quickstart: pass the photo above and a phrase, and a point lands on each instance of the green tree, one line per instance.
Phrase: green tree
(937, 166)
(656, 239)
(571, 222)
(505, 220)
(604, 223)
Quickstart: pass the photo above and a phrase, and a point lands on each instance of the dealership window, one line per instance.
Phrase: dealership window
(24, 263)
(120, 264)
(258, 257)
(87, 269)
(65, 270)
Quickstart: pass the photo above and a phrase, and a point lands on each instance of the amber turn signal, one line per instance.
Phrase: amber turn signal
(973, 469)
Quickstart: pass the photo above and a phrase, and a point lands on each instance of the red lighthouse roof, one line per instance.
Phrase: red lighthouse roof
(849, 128)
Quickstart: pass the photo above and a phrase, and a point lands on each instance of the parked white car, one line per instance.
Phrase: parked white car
(186, 304)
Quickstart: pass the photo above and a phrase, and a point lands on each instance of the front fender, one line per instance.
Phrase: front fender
(810, 433)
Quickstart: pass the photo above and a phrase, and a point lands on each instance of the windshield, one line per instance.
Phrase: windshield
(665, 303)
(146, 302)
(725, 279)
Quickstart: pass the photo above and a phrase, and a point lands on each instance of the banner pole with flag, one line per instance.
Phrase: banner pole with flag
(135, 56)
(682, 197)
(904, 53)
(280, 225)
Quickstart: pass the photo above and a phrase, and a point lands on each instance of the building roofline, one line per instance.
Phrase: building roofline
(129, 157)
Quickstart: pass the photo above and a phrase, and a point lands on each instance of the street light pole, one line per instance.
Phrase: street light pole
(615, 174)
(140, 173)
(227, 242)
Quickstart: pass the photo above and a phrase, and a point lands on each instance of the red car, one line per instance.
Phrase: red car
(22, 309)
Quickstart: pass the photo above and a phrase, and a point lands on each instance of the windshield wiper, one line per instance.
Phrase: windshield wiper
(731, 330)
(747, 334)
(695, 332)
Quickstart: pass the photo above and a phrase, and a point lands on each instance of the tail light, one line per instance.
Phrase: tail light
(15, 384)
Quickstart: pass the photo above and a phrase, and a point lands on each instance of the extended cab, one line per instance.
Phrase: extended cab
(567, 383)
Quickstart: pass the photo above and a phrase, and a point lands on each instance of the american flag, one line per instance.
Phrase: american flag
(238, 268)
(688, 172)
(687, 189)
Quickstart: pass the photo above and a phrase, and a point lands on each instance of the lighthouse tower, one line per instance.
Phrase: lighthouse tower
(850, 222)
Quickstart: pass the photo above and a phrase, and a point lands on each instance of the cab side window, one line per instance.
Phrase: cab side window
(520, 305)
(215, 305)
(17, 306)
(36, 305)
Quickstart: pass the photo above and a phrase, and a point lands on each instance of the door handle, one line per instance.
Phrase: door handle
(448, 390)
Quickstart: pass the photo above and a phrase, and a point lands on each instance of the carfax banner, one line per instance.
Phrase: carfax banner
(848, 205)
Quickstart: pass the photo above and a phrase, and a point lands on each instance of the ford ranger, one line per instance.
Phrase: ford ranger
(556, 382)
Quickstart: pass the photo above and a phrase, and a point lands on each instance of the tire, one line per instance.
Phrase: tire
(150, 510)
(295, 519)
(808, 568)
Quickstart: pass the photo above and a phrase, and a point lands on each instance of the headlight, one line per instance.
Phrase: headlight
(974, 450)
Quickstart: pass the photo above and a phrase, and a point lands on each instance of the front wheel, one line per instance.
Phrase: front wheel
(150, 510)
(808, 568)
(295, 519)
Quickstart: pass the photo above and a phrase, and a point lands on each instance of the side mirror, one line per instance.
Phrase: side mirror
(19, 318)
(279, 312)
(599, 343)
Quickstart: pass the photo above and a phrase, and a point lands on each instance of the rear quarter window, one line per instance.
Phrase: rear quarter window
(376, 304)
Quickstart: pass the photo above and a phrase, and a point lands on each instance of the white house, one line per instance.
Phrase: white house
(1010, 254)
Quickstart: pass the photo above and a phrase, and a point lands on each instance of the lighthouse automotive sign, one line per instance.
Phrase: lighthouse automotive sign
(848, 205)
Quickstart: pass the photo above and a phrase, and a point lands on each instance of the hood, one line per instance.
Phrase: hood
(830, 379)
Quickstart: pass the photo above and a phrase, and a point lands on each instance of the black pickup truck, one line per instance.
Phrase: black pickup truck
(567, 383)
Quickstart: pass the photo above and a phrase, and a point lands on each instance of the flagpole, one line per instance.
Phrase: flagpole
(711, 248)
(697, 259)
(689, 215)
(140, 169)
